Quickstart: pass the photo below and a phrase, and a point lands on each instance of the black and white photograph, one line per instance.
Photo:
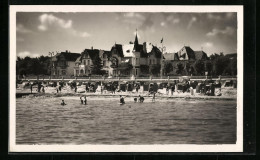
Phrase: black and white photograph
(126, 79)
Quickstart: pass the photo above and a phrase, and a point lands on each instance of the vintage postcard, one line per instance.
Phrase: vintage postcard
(126, 78)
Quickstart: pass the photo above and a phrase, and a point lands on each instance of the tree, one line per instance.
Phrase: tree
(156, 69)
(144, 69)
(168, 68)
(97, 66)
(179, 68)
(199, 66)
(209, 67)
(221, 64)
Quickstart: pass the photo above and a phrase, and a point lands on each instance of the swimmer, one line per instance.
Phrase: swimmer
(141, 99)
(122, 100)
(63, 103)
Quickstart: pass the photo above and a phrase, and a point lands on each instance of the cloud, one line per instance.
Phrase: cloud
(172, 19)
(27, 53)
(21, 29)
(175, 21)
(211, 16)
(207, 44)
(226, 31)
(162, 24)
(192, 20)
(48, 21)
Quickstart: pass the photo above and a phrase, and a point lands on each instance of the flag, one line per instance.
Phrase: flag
(162, 40)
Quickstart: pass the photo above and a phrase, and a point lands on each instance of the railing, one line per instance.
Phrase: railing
(115, 78)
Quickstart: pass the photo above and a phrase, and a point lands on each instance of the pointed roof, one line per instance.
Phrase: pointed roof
(200, 55)
(136, 42)
(186, 50)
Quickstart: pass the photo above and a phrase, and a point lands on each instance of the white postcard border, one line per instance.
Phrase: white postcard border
(13, 147)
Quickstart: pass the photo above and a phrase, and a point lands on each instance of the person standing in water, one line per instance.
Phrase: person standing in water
(153, 100)
(81, 100)
(85, 100)
(122, 100)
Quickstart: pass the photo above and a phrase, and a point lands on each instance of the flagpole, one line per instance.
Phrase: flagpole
(162, 65)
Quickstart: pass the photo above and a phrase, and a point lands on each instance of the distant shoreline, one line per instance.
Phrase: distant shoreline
(96, 95)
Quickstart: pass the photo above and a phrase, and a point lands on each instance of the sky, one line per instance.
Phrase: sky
(38, 33)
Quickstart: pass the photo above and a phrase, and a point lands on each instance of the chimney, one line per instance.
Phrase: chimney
(92, 47)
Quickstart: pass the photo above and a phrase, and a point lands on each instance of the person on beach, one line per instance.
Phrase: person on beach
(218, 92)
(191, 91)
(135, 99)
(76, 89)
(31, 87)
(167, 89)
(43, 90)
(173, 88)
(63, 103)
(153, 99)
(137, 88)
(208, 92)
(85, 100)
(122, 100)
(141, 99)
(60, 88)
(81, 100)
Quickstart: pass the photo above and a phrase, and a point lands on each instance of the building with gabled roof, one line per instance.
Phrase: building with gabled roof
(84, 63)
(63, 63)
(186, 56)
(130, 59)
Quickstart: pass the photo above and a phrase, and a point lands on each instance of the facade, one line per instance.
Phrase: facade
(134, 59)
(63, 63)
(183, 61)
(84, 63)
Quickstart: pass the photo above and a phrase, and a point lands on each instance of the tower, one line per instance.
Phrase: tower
(136, 41)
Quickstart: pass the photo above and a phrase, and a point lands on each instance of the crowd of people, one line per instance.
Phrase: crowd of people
(167, 88)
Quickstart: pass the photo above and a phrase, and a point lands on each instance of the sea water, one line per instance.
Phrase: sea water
(104, 121)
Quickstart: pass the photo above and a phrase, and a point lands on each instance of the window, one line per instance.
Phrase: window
(84, 62)
(150, 61)
(136, 71)
(104, 63)
(88, 62)
(137, 61)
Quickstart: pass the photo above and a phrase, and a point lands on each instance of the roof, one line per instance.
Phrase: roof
(128, 50)
(176, 57)
(78, 59)
(190, 52)
(169, 56)
(147, 47)
(93, 53)
(108, 53)
(118, 49)
(200, 55)
(67, 55)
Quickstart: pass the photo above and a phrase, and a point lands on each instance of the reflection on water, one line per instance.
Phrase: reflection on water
(45, 121)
